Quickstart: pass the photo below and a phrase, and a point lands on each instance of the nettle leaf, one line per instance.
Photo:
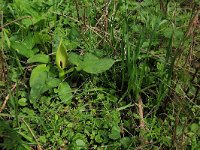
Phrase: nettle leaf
(65, 92)
(41, 58)
(90, 63)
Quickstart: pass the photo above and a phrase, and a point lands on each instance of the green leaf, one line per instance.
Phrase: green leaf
(38, 81)
(126, 142)
(29, 112)
(98, 138)
(194, 127)
(115, 133)
(90, 63)
(65, 92)
(22, 102)
(38, 76)
(41, 81)
(52, 82)
(22, 49)
(76, 60)
(41, 58)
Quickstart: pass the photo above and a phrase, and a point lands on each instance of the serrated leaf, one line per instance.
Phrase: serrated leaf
(65, 92)
(41, 58)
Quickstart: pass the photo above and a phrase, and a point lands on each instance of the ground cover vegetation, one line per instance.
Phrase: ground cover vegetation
(100, 74)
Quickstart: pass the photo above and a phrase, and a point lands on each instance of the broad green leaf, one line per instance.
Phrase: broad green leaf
(38, 76)
(52, 82)
(94, 65)
(41, 81)
(22, 49)
(38, 81)
(41, 58)
(90, 63)
(61, 57)
(75, 59)
(65, 92)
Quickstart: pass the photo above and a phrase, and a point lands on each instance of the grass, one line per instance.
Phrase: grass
(99, 75)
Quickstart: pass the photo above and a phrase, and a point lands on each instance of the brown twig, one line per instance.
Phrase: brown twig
(106, 16)
(16, 20)
(142, 123)
(194, 23)
(7, 98)
(141, 114)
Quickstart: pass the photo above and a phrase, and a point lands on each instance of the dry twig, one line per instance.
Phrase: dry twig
(7, 98)
(16, 20)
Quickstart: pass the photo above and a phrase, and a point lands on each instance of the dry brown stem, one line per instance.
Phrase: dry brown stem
(141, 114)
(16, 20)
(7, 98)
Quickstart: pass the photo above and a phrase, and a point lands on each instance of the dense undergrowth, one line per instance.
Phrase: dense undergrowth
(99, 74)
